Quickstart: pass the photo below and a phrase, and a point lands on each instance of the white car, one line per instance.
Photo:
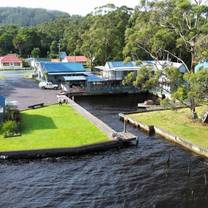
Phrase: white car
(48, 85)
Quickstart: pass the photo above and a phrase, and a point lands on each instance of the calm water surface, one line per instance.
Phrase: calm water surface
(154, 174)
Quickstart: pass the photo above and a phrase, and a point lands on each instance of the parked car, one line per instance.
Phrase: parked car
(48, 85)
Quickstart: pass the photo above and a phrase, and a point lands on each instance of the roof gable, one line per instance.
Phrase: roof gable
(10, 58)
(60, 67)
(76, 59)
(119, 64)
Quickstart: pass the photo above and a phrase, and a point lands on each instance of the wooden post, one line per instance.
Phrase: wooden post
(151, 130)
(124, 125)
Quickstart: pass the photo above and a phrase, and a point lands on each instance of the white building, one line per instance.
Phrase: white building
(117, 70)
(104, 9)
(10, 61)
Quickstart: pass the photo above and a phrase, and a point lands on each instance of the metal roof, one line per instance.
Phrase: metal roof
(92, 77)
(61, 67)
(118, 64)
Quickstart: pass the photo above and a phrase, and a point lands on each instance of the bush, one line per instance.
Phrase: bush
(10, 128)
(167, 103)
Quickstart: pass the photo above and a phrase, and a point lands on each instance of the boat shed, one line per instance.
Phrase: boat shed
(71, 73)
(117, 70)
(57, 72)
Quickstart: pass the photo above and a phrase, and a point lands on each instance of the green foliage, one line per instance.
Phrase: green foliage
(197, 87)
(35, 53)
(54, 49)
(40, 128)
(167, 103)
(174, 77)
(129, 79)
(26, 16)
(193, 91)
(178, 123)
(146, 79)
(25, 40)
(176, 26)
(8, 128)
(148, 33)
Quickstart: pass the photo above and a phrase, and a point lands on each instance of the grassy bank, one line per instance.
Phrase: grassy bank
(53, 127)
(178, 123)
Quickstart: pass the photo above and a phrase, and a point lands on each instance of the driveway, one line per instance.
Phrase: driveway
(25, 91)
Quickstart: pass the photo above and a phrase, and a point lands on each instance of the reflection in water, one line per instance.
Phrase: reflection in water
(154, 174)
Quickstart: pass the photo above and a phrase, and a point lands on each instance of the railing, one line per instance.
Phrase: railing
(109, 89)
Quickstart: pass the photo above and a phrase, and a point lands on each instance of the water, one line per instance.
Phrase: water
(154, 174)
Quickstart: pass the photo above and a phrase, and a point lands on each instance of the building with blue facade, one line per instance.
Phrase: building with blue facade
(72, 73)
(202, 65)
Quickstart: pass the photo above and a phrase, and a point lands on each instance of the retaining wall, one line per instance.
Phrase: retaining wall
(58, 152)
(167, 135)
(91, 148)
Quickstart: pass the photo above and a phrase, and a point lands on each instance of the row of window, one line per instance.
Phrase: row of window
(11, 64)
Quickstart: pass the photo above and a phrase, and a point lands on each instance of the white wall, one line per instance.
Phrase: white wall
(10, 66)
(112, 75)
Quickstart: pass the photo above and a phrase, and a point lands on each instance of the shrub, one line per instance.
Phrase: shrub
(167, 103)
(9, 128)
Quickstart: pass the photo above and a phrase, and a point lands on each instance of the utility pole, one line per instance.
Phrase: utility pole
(59, 48)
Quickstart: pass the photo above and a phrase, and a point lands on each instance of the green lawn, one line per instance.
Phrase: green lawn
(178, 123)
(53, 127)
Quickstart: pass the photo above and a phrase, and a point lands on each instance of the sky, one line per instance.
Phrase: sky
(81, 7)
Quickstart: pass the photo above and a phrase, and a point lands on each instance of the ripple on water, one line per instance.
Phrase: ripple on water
(154, 174)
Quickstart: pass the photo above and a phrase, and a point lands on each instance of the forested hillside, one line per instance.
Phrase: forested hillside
(156, 31)
(26, 16)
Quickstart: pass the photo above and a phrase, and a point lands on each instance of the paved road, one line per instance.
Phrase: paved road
(25, 91)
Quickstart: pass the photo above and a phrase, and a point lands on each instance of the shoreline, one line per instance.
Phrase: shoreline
(126, 141)
(61, 152)
(152, 130)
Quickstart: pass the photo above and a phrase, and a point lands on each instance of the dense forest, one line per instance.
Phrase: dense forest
(174, 29)
(27, 17)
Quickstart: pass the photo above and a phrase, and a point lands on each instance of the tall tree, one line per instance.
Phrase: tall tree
(171, 28)
(25, 40)
(7, 34)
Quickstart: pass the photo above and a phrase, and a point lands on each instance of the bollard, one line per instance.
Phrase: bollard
(137, 141)
(192, 193)
(151, 130)
(168, 161)
(124, 130)
(189, 171)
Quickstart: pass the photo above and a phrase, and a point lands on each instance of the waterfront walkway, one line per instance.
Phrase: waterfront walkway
(97, 122)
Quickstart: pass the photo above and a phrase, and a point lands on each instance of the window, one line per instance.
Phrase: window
(16, 64)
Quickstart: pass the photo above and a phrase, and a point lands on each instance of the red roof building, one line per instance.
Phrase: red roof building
(79, 59)
(10, 61)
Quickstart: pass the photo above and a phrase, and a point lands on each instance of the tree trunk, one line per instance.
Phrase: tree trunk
(91, 64)
(192, 59)
(193, 109)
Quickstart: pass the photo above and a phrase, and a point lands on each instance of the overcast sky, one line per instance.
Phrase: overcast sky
(81, 7)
